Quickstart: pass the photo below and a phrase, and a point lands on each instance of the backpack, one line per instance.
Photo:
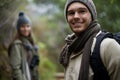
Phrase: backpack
(100, 72)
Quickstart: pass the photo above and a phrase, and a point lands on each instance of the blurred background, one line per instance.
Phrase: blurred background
(49, 28)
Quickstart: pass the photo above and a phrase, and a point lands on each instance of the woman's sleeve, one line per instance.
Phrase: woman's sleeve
(15, 61)
(110, 55)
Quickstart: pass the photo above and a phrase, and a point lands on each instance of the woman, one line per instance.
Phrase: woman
(23, 52)
(75, 56)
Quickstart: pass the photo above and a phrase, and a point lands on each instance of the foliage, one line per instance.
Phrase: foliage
(108, 14)
(47, 69)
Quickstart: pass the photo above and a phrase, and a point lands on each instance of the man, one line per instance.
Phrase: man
(75, 57)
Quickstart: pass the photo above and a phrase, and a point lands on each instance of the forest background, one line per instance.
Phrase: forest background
(49, 28)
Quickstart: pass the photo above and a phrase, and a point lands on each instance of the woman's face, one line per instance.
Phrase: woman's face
(25, 30)
(78, 17)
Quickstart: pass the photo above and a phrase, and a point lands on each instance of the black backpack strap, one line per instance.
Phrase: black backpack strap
(100, 72)
(116, 36)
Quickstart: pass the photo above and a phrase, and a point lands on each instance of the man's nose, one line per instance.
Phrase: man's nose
(76, 15)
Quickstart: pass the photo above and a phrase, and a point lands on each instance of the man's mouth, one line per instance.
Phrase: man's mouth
(77, 23)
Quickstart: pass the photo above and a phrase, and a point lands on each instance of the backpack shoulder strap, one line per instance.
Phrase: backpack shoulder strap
(116, 36)
(100, 72)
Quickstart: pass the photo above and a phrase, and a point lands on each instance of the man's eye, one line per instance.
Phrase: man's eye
(70, 13)
(81, 11)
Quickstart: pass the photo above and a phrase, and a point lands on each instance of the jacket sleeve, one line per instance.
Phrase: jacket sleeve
(15, 60)
(110, 55)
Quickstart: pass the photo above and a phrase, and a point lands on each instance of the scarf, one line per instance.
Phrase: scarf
(77, 43)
